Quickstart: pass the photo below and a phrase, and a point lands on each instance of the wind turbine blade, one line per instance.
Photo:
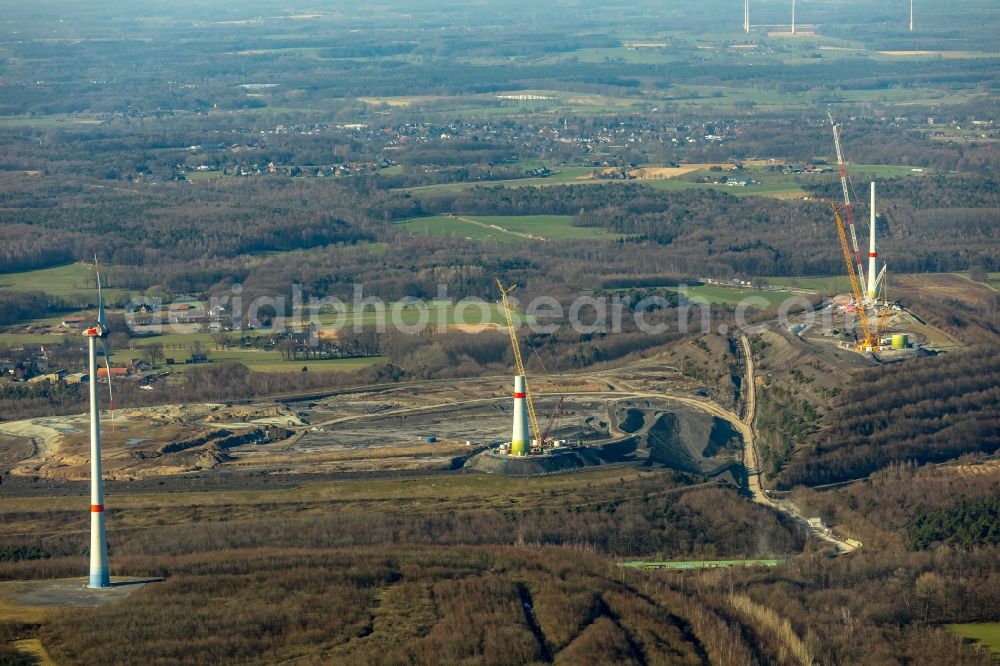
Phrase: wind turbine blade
(100, 293)
(111, 394)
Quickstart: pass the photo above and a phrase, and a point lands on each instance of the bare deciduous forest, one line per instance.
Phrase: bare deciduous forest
(658, 155)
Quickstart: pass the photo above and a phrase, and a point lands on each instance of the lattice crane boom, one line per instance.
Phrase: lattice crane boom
(552, 421)
(842, 170)
(869, 342)
(518, 362)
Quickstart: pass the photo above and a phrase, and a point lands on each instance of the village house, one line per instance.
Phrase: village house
(52, 377)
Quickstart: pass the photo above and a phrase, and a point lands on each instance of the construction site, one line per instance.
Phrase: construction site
(648, 413)
(870, 322)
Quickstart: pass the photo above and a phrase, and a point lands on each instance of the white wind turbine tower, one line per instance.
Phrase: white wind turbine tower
(99, 576)
(911, 15)
(793, 17)
(875, 279)
(746, 16)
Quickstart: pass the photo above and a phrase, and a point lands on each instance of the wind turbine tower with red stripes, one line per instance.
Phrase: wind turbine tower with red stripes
(99, 576)
(520, 438)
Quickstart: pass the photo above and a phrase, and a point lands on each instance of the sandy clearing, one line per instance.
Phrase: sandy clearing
(397, 101)
(43, 431)
(789, 196)
(709, 165)
(650, 173)
(941, 54)
(947, 285)
(62, 443)
(475, 328)
(662, 173)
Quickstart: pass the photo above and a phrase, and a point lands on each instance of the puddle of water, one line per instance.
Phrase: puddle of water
(133, 441)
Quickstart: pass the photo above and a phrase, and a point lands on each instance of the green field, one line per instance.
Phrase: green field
(768, 183)
(506, 228)
(823, 285)
(651, 55)
(489, 105)
(76, 283)
(179, 347)
(987, 633)
(46, 121)
(687, 96)
(195, 176)
(727, 296)
(169, 340)
(73, 282)
(561, 176)
(62, 281)
(258, 361)
(886, 171)
(780, 184)
(437, 313)
(16, 339)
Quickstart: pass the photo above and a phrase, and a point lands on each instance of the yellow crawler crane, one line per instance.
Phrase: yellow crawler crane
(518, 363)
(869, 343)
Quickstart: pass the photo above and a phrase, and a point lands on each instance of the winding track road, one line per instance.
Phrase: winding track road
(751, 459)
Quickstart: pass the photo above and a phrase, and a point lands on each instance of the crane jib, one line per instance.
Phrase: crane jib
(855, 286)
(518, 362)
(842, 170)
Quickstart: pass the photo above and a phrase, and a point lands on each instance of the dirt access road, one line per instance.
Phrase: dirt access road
(751, 460)
(496, 227)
